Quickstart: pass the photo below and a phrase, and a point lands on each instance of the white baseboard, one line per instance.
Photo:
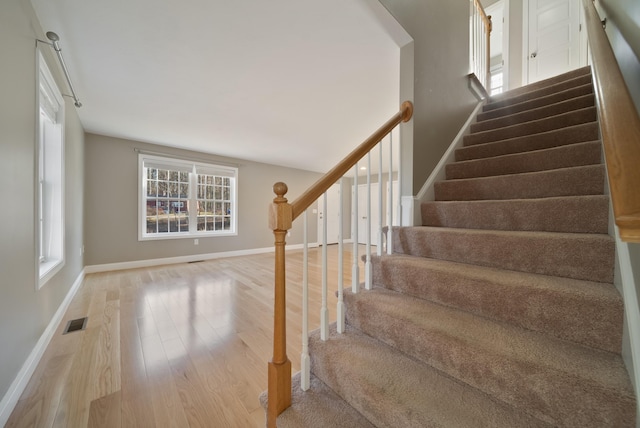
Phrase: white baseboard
(21, 380)
(107, 267)
(631, 310)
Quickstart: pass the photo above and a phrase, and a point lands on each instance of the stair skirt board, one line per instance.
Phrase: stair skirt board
(500, 309)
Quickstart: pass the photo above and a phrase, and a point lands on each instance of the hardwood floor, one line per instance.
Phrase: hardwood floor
(176, 346)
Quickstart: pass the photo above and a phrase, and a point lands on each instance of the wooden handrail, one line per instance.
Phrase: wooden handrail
(281, 216)
(620, 127)
(322, 185)
(483, 14)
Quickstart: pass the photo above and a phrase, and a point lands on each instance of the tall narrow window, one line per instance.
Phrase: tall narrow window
(183, 199)
(50, 175)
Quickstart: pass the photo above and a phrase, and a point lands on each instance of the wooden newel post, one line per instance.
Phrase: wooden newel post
(279, 392)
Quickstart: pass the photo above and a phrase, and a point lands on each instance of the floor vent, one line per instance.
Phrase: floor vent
(75, 325)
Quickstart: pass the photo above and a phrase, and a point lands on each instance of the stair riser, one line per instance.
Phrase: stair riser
(543, 92)
(589, 214)
(536, 114)
(553, 395)
(589, 318)
(585, 180)
(539, 160)
(535, 127)
(536, 103)
(586, 257)
(560, 137)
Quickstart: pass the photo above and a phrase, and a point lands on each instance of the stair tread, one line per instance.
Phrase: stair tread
(529, 92)
(572, 255)
(570, 181)
(574, 214)
(568, 155)
(575, 117)
(384, 382)
(553, 138)
(563, 380)
(536, 102)
(318, 407)
(568, 77)
(577, 310)
(542, 112)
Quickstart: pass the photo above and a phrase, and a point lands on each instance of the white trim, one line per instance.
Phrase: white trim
(477, 89)
(525, 43)
(47, 268)
(506, 45)
(426, 193)
(107, 267)
(21, 380)
(194, 169)
(631, 309)
(408, 206)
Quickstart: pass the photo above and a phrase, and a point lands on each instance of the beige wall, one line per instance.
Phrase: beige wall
(442, 100)
(623, 30)
(24, 311)
(111, 204)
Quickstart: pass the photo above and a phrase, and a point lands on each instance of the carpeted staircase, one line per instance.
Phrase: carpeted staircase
(500, 310)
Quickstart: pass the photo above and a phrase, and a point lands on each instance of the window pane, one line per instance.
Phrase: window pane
(168, 197)
(162, 188)
(152, 188)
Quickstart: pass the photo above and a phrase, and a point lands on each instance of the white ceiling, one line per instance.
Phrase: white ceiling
(289, 82)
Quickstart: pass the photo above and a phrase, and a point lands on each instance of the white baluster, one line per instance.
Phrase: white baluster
(367, 263)
(355, 269)
(399, 211)
(305, 362)
(341, 307)
(390, 200)
(380, 237)
(324, 311)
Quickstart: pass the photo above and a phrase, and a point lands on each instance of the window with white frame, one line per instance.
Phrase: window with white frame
(50, 175)
(181, 198)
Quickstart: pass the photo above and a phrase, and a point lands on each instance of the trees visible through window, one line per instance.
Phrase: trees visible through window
(182, 199)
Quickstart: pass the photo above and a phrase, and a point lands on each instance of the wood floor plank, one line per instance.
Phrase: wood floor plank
(182, 345)
(167, 406)
(104, 412)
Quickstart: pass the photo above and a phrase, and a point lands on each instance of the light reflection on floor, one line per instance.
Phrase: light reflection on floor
(199, 314)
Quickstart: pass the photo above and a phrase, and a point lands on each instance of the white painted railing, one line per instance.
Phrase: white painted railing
(281, 217)
(383, 245)
(480, 33)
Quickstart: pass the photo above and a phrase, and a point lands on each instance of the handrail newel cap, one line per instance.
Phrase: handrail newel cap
(407, 111)
(280, 211)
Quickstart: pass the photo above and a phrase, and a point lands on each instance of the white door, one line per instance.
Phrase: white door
(553, 38)
(332, 213)
(362, 214)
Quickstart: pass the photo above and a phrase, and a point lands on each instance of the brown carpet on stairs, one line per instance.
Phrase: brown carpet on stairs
(543, 140)
(499, 311)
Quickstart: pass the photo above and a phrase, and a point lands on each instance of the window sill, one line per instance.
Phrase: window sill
(48, 269)
(186, 236)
